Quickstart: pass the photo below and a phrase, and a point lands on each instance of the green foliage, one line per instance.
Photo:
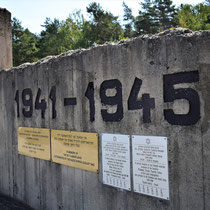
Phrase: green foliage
(195, 17)
(128, 18)
(155, 16)
(76, 32)
(166, 14)
(104, 25)
(24, 44)
(50, 39)
(146, 22)
(58, 37)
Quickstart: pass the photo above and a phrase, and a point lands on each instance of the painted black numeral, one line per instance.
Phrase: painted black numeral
(112, 100)
(171, 94)
(90, 95)
(18, 103)
(146, 103)
(40, 105)
(53, 99)
(27, 99)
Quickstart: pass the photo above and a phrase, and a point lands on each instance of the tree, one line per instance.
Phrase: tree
(104, 25)
(24, 44)
(146, 22)
(166, 14)
(76, 31)
(195, 17)
(128, 18)
(60, 36)
(50, 41)
(72, 32)
(155, 16)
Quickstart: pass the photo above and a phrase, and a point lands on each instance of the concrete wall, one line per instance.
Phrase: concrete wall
(46, 185)
(5, 39)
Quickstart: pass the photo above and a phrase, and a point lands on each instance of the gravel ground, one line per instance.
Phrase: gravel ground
(7, 203)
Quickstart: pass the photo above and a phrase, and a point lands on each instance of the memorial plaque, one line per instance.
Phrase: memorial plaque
(116, 160)
(75, 149)
(150, 166)
(34, 142)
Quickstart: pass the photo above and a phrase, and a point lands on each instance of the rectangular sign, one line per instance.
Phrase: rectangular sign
(75, 149)
(150, 166)
(116, 160)
(34, 142)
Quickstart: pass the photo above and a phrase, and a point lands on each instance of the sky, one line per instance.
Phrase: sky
(32, 13)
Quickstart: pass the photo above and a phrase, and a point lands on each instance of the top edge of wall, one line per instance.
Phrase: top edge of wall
(184, 32)
(5, 11)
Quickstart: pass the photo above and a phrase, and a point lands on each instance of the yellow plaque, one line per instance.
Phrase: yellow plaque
(76, 149)
(34, 142)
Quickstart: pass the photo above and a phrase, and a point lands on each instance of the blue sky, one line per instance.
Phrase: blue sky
(32, 13)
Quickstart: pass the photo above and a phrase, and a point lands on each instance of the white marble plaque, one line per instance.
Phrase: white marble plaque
(150, 166)
(116, 160)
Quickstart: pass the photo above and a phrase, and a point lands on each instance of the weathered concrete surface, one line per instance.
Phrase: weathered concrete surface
(46, 185)
(5, 39)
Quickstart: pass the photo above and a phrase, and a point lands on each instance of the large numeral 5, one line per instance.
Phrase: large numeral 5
(171, 94)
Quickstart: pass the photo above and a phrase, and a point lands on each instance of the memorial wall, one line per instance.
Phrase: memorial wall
(117, 126)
